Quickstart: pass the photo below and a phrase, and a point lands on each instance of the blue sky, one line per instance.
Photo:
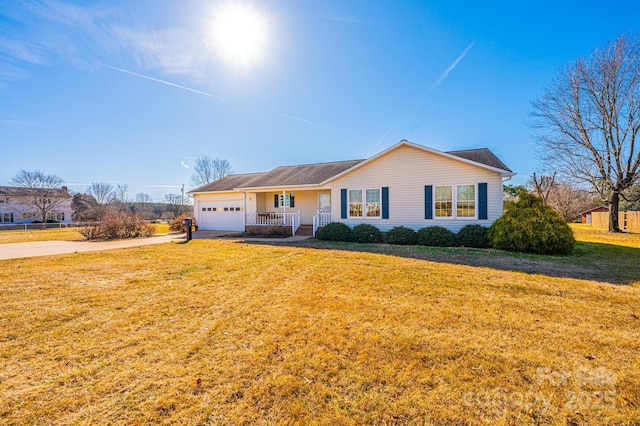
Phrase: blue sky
(133, 91)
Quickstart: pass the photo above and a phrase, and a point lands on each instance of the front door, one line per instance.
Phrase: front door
(324, 203)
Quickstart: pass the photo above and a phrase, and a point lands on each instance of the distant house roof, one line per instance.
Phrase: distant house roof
(594, 209)
(14, 191)
(319, 173)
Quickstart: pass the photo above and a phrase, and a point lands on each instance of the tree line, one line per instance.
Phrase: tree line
(42, 192)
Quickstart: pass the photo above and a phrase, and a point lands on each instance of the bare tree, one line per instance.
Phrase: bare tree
(569, 200)
(174, 204)
(143, 198)
(588, 119)
(101, 191)
(543, 185)
(42, 192)
(120, 192)
(207, 169)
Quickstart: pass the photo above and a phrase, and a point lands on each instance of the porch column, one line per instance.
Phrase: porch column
(244, 210)
(284, 203)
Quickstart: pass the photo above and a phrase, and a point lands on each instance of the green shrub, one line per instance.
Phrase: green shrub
(334, 231)
(530, 226)
(473, 236)
(436, 236)
(365, 233)
(401, 235)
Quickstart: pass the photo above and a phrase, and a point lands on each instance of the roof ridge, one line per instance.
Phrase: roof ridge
(465, 150)
(320, 163)
(242, 174)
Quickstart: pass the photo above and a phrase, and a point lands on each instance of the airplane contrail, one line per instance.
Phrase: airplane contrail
(446, 72)
(290, 117)
(168, 83)
(183, 164)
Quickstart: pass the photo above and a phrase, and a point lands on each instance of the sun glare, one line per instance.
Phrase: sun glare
(240, 34)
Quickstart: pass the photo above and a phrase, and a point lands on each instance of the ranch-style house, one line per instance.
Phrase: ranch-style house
(407, 184)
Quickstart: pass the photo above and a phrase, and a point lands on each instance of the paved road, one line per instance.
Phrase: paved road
(47, 248)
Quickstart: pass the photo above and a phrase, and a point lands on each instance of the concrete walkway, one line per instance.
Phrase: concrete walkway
(47, 248)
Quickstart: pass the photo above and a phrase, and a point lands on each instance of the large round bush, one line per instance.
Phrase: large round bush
(365, 233)
(334, 231)
(436, 236)
(530, 226)
(401, 235)
(473, 236)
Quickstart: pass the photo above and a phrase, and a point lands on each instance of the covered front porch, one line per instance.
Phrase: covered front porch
(291, 208)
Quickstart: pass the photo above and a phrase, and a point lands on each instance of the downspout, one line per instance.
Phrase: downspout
(502, 197)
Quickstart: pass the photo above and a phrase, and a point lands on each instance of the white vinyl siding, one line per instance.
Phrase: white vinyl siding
(406, 171)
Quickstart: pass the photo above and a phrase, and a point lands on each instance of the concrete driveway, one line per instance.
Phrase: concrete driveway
(47, 248)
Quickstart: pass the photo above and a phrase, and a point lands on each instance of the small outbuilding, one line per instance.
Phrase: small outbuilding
(586, 215)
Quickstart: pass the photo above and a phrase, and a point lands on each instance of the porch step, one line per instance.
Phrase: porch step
(305, 230)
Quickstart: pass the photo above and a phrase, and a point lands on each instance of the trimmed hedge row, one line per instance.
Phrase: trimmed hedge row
(527, 226)
(469, 236)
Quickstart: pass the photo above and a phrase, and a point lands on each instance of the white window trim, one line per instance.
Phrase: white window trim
(364, 203)
(454, 196)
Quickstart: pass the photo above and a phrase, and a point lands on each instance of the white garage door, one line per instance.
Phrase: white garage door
(221, 215)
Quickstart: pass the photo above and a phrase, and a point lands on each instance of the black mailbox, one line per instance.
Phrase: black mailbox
(188, 222)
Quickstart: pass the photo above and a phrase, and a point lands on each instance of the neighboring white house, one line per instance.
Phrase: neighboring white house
(407, 184)
(16, 206)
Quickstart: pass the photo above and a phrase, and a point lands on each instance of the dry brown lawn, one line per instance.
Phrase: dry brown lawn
(221, 332)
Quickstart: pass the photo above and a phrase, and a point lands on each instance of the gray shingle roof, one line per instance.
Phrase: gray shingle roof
(9, 191)
(482, 156)
(315, 174)
(305, 174)
(227, 183)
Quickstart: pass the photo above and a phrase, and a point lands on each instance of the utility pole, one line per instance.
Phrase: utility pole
(183, 194)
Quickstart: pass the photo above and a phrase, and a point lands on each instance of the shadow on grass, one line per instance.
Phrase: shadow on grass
(600, 262)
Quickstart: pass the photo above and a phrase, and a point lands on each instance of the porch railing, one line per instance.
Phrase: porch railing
(320, 219)
(275, 219)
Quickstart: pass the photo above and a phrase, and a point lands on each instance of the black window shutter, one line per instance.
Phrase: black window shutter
(482, 201)
(428, 202)
(385, 202)
(291, 201)
(275, 200)
(343, 203)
